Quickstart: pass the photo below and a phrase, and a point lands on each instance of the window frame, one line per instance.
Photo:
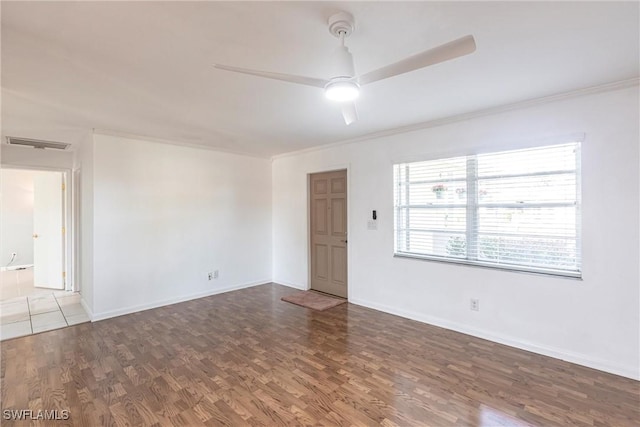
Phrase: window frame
(472, 204)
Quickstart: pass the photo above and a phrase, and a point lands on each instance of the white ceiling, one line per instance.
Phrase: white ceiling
(145, 68)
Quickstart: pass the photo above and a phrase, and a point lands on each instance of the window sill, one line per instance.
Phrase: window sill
(534, 271)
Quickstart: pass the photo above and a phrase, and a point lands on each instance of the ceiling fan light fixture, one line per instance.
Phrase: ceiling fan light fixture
(344, 85)
(342, 90)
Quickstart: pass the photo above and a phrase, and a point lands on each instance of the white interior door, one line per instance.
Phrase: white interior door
(48, 232)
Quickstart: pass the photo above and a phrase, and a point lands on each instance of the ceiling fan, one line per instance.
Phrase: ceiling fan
(344, 86)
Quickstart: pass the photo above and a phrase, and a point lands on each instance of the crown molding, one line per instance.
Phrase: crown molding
(179, 143)
(607, 87)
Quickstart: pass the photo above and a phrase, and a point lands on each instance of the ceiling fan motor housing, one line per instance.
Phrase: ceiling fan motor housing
(342, 62)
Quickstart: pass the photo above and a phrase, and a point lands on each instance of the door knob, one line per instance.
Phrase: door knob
(35, 236)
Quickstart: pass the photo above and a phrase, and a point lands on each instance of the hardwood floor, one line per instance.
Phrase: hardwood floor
(247, 358)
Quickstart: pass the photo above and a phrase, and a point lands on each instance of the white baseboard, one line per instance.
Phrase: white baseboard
(579, 359)
(291, 285)
(161, 303)
(84, 305)
(16, 267)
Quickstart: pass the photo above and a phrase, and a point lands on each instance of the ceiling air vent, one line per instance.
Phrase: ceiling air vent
(35, 143)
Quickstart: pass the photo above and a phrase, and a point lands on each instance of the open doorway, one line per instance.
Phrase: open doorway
(33, 224)
(37, 291)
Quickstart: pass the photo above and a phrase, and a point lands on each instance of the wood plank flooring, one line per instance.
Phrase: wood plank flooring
(247, 358)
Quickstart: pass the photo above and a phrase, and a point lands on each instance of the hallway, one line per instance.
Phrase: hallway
(43, 311)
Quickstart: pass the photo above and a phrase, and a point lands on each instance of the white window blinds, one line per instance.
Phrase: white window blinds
(513, 209)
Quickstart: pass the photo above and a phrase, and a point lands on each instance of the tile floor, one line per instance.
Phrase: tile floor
(38, 313)
(19, 283)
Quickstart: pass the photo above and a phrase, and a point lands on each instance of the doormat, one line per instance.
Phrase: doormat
(313, 300)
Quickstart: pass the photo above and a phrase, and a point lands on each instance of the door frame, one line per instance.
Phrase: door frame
(69, 219)
(341, 167)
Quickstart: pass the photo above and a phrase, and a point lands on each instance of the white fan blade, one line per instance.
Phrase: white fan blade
(307, 81)
(349, 112)
(454, 49)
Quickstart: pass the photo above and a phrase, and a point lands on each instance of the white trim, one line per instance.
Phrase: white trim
(34, 168)
(178, 142)
(84, 305)
(498, 267)
(291, 285)
(602, 365)
(607, 87)
(75, 236)
(69, 233)
(161, 303)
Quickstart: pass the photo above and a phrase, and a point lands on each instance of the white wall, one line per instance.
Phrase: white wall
(84, 197)
(165, 215)
(14, 155)
(594, 321)
(16, 216)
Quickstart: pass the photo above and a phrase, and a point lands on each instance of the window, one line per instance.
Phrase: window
(517, 210)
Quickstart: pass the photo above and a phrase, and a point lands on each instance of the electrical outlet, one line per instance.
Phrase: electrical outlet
(215, 274)
(210, 276)
(474, 304)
